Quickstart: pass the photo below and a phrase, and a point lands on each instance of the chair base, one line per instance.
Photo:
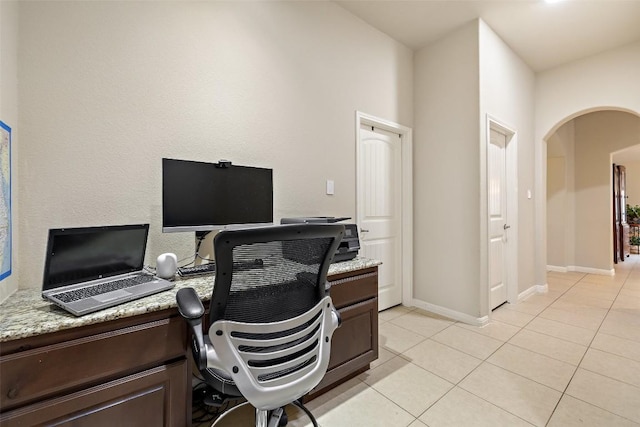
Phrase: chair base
(228, 412)
(264, 418)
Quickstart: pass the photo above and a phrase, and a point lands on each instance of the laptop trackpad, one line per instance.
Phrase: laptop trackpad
(120, 293)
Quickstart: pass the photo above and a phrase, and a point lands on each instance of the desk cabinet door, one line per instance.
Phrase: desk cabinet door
(156, 397)
(354, 345)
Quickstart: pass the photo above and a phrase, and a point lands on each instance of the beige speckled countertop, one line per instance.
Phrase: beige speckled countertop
(26, 314)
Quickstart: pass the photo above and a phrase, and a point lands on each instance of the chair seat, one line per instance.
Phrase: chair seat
(221, 381)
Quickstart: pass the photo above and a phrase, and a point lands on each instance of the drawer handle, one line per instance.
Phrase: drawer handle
(13, 393)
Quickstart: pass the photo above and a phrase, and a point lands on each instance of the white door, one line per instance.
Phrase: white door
(379, 208)
(498, 226)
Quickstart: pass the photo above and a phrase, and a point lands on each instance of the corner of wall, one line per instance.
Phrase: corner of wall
(9, 115)
(446, 110)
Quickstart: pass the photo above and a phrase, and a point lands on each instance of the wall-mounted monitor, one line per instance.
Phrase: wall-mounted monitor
(200, 196)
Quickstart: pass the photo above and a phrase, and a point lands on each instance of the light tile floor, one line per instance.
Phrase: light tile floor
(568, 357)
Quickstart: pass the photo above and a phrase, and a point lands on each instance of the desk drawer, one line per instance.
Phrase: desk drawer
(151, 398)
(350, 288)
(70, 365)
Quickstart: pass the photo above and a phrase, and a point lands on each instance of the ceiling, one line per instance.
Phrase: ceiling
(543, 34)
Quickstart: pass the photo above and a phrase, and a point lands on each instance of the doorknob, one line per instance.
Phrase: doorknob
(362, 230)
(504, 227)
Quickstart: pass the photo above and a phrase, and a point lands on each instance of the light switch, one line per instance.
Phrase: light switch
(330, 187)
(528, 194)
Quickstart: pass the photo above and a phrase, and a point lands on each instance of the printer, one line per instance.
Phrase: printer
(349, 245)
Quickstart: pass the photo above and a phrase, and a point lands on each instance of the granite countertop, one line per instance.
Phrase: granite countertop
(26, 314)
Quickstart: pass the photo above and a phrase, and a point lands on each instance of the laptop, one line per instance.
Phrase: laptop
(91, 268)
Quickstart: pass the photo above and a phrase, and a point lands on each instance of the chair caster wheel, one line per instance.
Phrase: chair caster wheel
(284, 420)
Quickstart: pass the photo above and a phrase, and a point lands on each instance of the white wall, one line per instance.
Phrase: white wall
(109, 88)
(507, 86)
(557, 221)
(9, 115)
(446, 172)
(560, 197)
(606, 80)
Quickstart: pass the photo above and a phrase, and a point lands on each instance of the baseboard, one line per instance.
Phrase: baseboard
(542, 289)
(590, 270)
(527, 293)
(579, 269)
(451, 314)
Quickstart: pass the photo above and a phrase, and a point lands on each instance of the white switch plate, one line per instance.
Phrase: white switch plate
(330, 187)
(528, 194)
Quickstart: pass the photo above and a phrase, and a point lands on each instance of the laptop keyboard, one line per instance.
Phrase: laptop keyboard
(102, 288)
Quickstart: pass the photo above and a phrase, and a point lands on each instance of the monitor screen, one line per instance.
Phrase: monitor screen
(199, 196)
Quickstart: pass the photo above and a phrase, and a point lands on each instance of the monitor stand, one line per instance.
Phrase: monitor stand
(204, 247)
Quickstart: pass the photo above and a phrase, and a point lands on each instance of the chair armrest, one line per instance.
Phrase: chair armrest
(190, 307)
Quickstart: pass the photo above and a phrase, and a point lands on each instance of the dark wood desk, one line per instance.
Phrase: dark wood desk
(137, 368)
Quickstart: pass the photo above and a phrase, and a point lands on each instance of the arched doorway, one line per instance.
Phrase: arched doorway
(579, 235)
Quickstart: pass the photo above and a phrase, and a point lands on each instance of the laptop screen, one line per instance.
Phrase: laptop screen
(76, 255)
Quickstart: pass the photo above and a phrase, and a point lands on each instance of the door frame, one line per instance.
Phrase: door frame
(406, 149)
(511, 176)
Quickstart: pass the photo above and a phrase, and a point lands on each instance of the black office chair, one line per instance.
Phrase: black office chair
(271, 317)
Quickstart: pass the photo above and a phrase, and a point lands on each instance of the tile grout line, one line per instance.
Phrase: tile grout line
(457, 384)
(583, 356)
(520, 328)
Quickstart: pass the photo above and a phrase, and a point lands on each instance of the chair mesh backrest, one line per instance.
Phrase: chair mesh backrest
(278, 288)
(270, 313)
(273, 277)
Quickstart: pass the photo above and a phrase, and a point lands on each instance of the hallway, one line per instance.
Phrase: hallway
(567, 357)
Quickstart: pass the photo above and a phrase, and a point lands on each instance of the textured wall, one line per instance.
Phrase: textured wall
(446, 189)
(560, 196)
(109, 88)
(557, 221)
(9, 115)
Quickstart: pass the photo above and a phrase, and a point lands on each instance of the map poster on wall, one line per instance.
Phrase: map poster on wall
(5, 201)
